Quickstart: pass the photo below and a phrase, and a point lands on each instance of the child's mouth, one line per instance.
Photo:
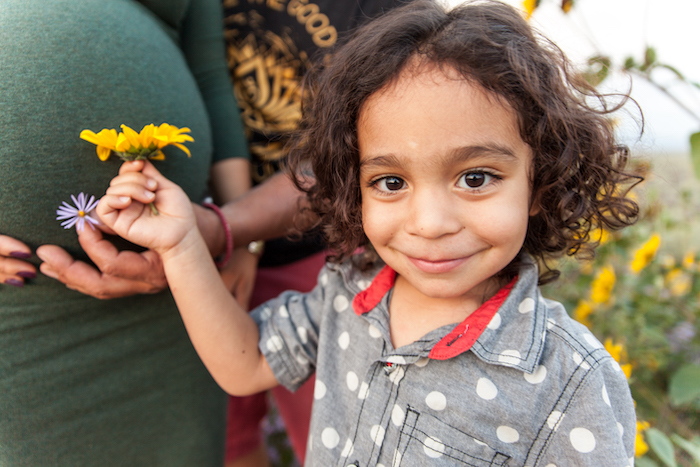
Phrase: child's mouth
(438, 266)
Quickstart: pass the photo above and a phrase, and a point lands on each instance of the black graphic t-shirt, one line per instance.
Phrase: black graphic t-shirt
(270, 44)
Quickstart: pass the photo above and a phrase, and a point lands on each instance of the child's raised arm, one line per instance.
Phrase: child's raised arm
(223, 334)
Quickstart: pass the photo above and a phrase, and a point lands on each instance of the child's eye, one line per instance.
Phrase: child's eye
(389, 184)
(474, 180)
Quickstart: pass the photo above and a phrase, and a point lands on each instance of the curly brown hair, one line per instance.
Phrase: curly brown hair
(579, 177)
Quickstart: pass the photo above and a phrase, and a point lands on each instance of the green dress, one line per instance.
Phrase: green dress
(85, 382)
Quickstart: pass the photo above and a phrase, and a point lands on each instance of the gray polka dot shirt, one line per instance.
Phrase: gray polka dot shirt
(517, 384)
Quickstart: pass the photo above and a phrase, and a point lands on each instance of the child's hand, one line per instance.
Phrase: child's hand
(124, 208)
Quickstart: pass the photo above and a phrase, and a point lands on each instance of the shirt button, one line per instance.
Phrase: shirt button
(389, 367)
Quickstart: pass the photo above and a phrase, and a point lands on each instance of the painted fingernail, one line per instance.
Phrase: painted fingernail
(14, 282)
(20, 255)
(27, 274)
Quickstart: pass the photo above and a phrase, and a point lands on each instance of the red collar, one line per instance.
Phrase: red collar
(461, 338)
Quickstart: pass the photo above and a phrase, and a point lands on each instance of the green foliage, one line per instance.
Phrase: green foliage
(695, 152)
(649, 321)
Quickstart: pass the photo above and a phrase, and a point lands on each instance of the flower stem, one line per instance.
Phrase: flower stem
(153, 209)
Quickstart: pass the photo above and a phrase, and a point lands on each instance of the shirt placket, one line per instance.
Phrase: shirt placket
(384, 379)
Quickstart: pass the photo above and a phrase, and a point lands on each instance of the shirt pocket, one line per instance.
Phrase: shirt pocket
(425, 440)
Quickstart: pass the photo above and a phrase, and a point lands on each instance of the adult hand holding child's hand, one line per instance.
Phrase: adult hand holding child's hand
(124, 208)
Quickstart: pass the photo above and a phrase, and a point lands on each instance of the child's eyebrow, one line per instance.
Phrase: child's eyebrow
(462, 154)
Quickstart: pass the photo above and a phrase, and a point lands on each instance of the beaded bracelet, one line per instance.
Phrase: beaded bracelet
(221, 262)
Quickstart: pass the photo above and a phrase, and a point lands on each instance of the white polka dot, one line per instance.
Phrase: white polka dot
(433, 447)
(377, 434)
(397, 459)
(526, 306)
(631, 462)
(398, 359)
(265, 314)
(616, 366)
(344, 340)
(550, 323)
(397, 415)
(436, 400)
(363, 284)
(495, 322)
(486, 389)
(421, 362)
(380, 465)
(319, 389)
(550, 465)
(537, 376)
(283, 312)
(324, 279)
(301, 358)
(511, 357)
(397, 375)
(330, 438)
(554, 419)
(352, 380)
(348, 449)
(620, 428)
(595, 343)
(578, 359)
(374, 332)
(364, 390)
(480, 443)
(303, 334)
(340, 303)
(582, 440)
(274, 344)
(606, 398)
(507, 434)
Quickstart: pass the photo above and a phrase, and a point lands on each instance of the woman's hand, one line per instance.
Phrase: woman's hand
(13, 270)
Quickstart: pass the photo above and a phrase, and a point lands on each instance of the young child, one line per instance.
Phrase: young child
(456, 148)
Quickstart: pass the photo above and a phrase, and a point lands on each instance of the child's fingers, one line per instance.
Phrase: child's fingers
(134, 191)
(132, 166)
(137, 178)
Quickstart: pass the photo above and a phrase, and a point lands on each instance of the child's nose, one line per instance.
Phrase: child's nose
(433, 214)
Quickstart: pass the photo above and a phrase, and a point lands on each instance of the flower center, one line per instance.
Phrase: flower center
(81, 213)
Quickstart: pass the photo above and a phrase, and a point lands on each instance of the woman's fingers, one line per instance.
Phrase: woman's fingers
(13, 270)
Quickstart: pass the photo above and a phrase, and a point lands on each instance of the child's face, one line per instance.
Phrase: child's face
(445, 183)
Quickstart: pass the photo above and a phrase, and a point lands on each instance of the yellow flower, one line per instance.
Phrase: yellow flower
(646, 253)
(165, 135)
(619, 353)
(640, 446)
(601, 288)
(582, 311)
(529, 6)
(689, 260)
(106, 141)
(678, 282)
(130, 145)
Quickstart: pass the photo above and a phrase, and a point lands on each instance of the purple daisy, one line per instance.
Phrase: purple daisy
(79, 214)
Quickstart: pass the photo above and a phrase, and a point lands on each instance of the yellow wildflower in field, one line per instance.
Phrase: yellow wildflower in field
(529, 6)
(640, 446)
(619, 353)
(678, 282)
(601, 288)
(689, 260)
(646, 253)
(582, 311)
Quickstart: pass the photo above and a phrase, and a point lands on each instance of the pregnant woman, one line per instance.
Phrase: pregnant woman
(85, 382)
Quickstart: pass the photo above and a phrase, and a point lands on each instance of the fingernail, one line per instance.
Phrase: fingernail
(124, 199)
(20, 255)
(14, 282)
(150, 183)
(149, 194)
(27, 274)
(49, 272)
